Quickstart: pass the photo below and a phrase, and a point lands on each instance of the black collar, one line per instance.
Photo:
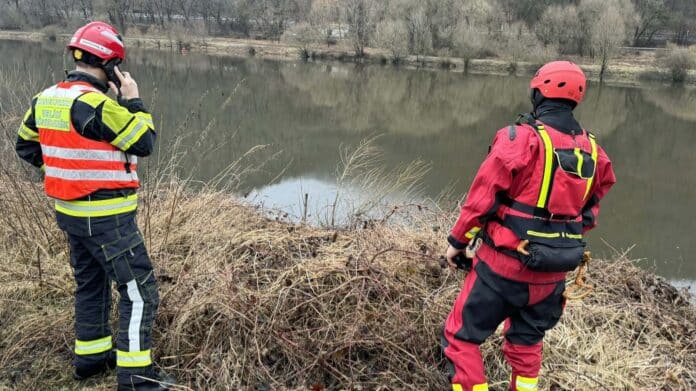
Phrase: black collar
(558, 114)
(86, 77)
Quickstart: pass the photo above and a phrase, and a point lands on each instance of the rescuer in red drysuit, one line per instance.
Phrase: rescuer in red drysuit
(529, 205)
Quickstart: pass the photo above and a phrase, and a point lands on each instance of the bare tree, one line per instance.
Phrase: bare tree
(324, 16)
(303, 35)
(561, 27)
(608, 33)
(420, 33)
(360, 23)
(393, 35)
(652, 16)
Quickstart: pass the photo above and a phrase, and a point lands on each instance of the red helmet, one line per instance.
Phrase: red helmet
(560, 79)
(99, 39)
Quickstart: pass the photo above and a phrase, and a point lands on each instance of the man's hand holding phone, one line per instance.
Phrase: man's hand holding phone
(129, 88)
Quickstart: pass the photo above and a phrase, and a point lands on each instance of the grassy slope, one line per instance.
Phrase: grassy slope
(249, 302)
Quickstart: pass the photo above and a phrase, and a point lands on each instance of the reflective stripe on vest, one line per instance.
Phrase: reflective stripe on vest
(77, 166)
(593, 142)
(87, 154)
(99, 208)
(548, 167)
(90, 175)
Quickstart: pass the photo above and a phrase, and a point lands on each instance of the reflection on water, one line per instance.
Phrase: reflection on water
(308, 110)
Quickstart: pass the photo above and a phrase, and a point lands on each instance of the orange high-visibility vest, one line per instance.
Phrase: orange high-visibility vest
(76, 166)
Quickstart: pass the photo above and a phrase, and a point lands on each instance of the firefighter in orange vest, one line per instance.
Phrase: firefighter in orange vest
(88, 146)
(523, 221)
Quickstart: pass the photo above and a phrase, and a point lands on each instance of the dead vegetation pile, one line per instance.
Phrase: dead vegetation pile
(249, 302)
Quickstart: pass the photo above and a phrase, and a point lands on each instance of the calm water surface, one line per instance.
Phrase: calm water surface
(305, 112)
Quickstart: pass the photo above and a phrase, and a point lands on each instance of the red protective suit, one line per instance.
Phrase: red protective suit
(500, 287)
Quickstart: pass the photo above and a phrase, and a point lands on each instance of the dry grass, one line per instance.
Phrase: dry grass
(254, 302)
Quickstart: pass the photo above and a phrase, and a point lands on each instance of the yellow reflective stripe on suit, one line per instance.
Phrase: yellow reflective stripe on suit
(472, 232)
(130, 135)
(27, 133)
(99, 208)
(593, 142)
(95, 346)
(526, 383)
(476, 387)
(548, 166)
(133, 359)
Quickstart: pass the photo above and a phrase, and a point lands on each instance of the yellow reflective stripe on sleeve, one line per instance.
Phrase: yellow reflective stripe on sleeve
(99, 208)
(548, 167)
(457, 387)
(480, 387)
(472, 232)
(100, 345)
(146, 118)
(593, 142)
(526, 383)
(116, 117)
(130, 135)
(27, 133)
(543, 234)
(572, 236)
(24, 131)
(93, 99)
(133, 359)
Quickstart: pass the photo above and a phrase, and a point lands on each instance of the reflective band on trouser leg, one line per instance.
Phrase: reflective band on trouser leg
(526, 383)
(133, 359)
(136, 317)
(83, 348)
(548, 167)
(99, 208)
(476, 387)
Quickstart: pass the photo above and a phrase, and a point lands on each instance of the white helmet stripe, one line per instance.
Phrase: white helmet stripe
(112, 36)
(96, 46)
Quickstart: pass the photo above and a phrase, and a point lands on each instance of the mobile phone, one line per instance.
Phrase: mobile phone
(111, 73)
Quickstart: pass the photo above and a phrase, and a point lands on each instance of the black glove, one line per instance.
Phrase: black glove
(462, 262)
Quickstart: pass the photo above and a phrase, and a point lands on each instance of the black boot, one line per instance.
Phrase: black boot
(109, 363)
(160, 381)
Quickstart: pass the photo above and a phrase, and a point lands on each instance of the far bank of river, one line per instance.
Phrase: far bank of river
(624, 72)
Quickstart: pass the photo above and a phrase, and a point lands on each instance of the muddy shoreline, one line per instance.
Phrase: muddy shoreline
(622, 73)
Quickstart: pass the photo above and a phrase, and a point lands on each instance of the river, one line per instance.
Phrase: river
(306, 113)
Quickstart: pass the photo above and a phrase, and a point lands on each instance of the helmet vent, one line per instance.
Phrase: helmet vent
(580, 88)
(561, 84)
(547, 81)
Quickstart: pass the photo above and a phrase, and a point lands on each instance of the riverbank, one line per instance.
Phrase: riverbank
(628, 69)
(253, 302)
